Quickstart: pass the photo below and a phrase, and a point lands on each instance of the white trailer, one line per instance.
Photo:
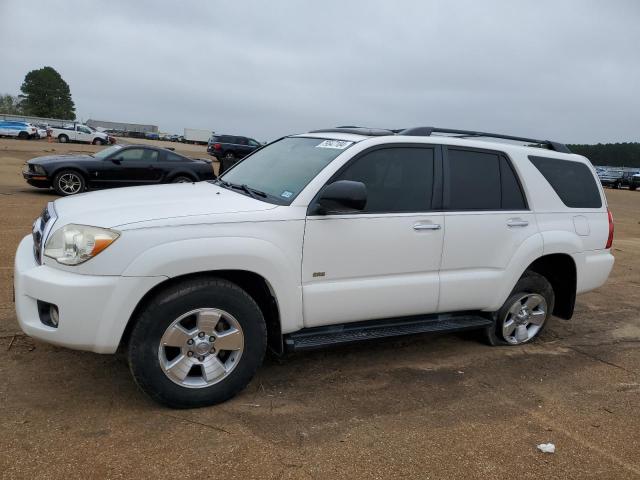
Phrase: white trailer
(194, 135)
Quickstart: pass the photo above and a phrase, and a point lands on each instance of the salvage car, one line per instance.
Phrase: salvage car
(317, 239)
(21, 130)
(79, 133)
(229, 149)
(115, 166)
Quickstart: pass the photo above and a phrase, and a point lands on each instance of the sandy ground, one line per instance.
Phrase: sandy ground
(425, 407)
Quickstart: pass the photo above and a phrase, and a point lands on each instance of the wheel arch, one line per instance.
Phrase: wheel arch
(561, 272)
(254, 284)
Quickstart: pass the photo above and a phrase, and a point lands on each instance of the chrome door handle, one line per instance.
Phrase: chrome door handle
(426, 226)
(516, 222)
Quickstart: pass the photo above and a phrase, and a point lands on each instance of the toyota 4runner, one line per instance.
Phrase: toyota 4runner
(317, 239)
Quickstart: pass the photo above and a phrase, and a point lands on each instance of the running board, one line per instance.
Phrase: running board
(319, 337)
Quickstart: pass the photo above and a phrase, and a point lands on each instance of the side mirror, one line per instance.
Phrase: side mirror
(117, 161)
(341, 197)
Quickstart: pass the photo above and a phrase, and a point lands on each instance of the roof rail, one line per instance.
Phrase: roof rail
(370, 132)
(427, 131)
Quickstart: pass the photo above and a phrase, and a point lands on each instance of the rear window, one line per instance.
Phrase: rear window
(572, 181)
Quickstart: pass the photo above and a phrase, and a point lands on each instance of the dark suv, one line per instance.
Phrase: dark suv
(228, 149)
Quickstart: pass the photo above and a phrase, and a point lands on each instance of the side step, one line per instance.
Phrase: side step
(318, 337)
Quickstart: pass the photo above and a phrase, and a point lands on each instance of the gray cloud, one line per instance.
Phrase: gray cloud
(567, 70)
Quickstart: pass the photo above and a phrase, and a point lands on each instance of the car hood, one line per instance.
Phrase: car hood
(123, 206)
(50, 159)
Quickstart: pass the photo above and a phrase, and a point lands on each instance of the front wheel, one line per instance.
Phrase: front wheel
(63, 139)
(98, 141)
(525, 313)
(197, 343)
(69, 182)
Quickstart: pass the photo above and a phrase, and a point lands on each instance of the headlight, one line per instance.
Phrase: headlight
(39, 169)
(74, 244)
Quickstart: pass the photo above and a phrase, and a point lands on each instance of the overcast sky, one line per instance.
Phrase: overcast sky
(565, 70)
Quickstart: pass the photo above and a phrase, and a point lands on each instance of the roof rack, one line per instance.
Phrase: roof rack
(369, 132)
(427, 131)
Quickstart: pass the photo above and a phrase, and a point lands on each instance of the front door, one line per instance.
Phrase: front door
(383, 261)
(132, 166)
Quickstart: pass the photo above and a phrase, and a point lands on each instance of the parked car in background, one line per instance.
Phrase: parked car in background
(318, 239)
(79, 133)
(152, 136)
(228, 149)
(41, 130)
(634, 183)
(21, 130)
(616, 178)
(116, 166)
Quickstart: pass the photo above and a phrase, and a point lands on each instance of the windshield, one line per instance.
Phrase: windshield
(102, 154)
(281, 170)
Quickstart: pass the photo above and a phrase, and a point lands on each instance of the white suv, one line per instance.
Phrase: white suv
(317, 239)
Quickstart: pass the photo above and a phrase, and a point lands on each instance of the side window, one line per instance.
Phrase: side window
(398, 179)
(138, 155)
(572, 181)
(473, 180)
(512, 196)
(253, 143)
(241, 141)
(84, 130)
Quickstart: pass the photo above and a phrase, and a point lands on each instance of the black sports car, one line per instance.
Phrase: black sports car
(116, 166)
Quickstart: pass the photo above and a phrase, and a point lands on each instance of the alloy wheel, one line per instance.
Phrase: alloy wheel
(201, 347)
(524, 319)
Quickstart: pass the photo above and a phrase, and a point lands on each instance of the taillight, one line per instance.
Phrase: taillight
(610, 239)
(217, 146)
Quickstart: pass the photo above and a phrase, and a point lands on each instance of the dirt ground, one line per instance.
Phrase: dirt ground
(427, 407)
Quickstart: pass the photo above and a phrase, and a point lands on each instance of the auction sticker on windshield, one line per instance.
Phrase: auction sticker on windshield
(337, 144)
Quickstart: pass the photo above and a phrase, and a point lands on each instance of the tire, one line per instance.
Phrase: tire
(23, 136)
(632, 187)
(63, 139)
(182, 179)
(616, 185)
(531, 286)
(194, 304)
(69, 182)
(98, 141)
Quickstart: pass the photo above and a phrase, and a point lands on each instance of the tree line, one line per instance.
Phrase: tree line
(44, 93)
(611, 154)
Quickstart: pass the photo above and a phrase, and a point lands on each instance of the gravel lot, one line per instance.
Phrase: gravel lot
(426, 407)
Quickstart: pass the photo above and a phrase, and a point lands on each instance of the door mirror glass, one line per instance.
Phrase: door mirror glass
(342, 196)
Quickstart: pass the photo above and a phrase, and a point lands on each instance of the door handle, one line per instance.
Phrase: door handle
(426, 226)
(517, 222)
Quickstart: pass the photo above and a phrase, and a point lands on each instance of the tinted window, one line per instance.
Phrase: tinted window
(397, 179)
(512, 196)
(473, 180)
(572, 181)
(225, 139)
(138, 155)
(241, 140)
(253, 143)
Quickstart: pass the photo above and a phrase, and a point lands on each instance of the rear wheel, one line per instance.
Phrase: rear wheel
(63, 139)
(197, 343)
(525, 313)
(98, 141)
(68, 182)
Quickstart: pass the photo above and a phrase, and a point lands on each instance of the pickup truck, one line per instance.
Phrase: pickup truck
(79, 133)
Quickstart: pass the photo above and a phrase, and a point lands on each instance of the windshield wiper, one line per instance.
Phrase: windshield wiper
(252, 192)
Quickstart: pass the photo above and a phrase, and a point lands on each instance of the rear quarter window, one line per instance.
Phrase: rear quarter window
(572, 181)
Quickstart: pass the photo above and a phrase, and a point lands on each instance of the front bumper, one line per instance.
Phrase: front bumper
(93, 310)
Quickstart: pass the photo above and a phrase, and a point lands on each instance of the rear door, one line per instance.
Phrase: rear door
(487, 218)
(383, 261)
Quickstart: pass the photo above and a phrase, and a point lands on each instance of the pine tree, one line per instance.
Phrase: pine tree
(46, 94)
